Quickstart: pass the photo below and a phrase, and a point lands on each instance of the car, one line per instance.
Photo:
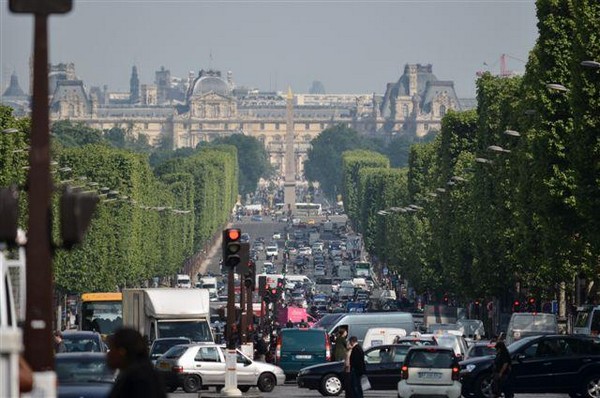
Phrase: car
(481, 349)
(162, 345)
(382, 363)
(430, 371)
(195, 366)
(83, 374)
(276, 236)
(540, 365)
(256, 217)
(83, 341)
(272, 251)
(311, 221)
(457, 343)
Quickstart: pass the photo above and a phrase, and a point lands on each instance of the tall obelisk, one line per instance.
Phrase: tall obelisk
(289, 185)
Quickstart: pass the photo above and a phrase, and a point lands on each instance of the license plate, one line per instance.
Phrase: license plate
(303, 356)
(164, 366)
(430, 375)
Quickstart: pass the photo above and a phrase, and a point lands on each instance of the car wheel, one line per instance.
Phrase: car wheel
(331, 385)
(266, 382)
(591, 387)
(192, 383)
(483, 386)
(244, 388)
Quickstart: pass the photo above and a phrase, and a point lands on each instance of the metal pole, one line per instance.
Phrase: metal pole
(230, 308)
(230, 389)
(243, 332)
(249, 311)
(38, 320)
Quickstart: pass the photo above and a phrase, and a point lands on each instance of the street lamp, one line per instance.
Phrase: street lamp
(591, 64)
(512, 133)
(498, 149)
(557, 87)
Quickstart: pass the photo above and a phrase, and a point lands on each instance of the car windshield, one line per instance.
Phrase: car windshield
(81, 344)
(162, 346)
(516, 346)
(76, 369)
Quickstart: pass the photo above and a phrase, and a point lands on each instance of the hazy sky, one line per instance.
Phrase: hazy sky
(350, 46)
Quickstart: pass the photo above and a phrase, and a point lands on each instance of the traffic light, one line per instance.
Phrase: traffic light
(531, 304)
(231, 247)
(9, 214)
(76, 212)
(250, 278)
(516, 306)
(244, 254)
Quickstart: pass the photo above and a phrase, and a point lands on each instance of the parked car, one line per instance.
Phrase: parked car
(272, 252)
(382, 362)
(83, 341)
(430, 371)
(83, 374)
(540, 365)
(276, 236)
(162, 345)
(195, 366)
(256, 217)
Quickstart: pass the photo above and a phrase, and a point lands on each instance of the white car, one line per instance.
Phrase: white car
(276, 236)
(305, 251)
(272, 251)
(430, 371)
(195, 366)
(319, 270)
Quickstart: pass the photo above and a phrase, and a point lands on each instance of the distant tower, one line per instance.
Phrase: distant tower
(163, 81)
(134, 87)
(289, 190)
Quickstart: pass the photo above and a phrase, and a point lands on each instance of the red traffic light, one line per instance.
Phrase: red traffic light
(233, 233)
(516, 303)
(531, 300)
(274, 291)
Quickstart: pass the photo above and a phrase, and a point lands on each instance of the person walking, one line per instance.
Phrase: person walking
(346, 381)
(59, 344)
(137, 378)
(502, 372)
(261, 348)
(341, 345)
(357, 367)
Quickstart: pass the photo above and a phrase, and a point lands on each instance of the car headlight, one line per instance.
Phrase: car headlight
(470, 367)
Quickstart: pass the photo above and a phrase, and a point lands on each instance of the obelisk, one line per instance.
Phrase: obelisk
(289, 185)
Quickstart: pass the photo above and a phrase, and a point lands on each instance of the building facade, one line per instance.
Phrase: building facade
(207, 105)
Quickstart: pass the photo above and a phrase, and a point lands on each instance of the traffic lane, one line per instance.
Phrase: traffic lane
(291, 390)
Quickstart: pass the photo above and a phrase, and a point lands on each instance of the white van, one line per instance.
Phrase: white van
(587, 321)
(358, 324)
(523, 324)
(184, 281)
(209, 283)
(381, 336)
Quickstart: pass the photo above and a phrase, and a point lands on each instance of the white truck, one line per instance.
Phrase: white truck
(168, 312)
(209, 283)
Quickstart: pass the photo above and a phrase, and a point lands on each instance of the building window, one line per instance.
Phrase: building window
(405, 110)
(276, 126)
(426, 126)
(146, 126)
(226, 126)
(306, 126)
(241, 126)
(442, 110)
(322, 126)
(199, 126)
(262, 126)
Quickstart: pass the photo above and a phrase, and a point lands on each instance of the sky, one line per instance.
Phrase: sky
(350, 46)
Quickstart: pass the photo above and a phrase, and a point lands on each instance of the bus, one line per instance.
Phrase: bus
(587, 320)
(308, 209)
(101, 312)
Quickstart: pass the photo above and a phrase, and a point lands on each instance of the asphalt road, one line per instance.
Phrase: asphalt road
(291, 390)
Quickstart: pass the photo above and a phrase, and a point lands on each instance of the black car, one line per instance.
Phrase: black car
(383, 364)
(541, 364)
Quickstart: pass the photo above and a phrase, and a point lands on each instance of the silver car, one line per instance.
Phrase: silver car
(196, 366)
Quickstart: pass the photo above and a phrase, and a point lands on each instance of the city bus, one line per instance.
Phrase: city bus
(101, 312)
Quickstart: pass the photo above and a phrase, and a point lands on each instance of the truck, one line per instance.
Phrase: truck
(294, 314)
(433, 314)
(168, 312)
(209, 283)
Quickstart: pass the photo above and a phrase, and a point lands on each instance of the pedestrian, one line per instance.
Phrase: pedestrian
(347, 380)
(137, 377)
(289, 324)
(59, 344)
(502, 372)
(357, 367)
(261, 348)
(341, 345)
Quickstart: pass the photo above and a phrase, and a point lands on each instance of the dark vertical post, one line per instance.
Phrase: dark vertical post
(38, 321)
(231, 343)
(249, 312)
(243, 332)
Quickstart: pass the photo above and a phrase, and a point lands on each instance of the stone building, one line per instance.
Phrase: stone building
(207, 105)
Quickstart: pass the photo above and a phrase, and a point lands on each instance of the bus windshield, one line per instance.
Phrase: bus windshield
(104, 317)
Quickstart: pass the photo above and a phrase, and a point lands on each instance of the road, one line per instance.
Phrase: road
(290, 390)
